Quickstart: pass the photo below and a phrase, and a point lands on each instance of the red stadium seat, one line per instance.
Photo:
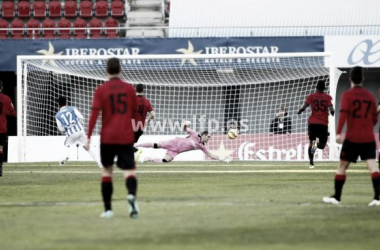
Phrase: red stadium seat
(23, 9)
(71, 9)
(101, 9)
(80, 36)
(95, 23)
(117, 8)
(55, 9)
(65, 36)
(49, 36)
(48, 23)
(85, 9)
(111, 23)
(80, 23)
(8, 10)
(3, 25)
(18, 37)
(64, 23)
(17, 24)
(33, 28)
(96, 36)
(39, 9)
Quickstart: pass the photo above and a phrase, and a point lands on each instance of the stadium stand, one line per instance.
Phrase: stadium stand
(37, 15)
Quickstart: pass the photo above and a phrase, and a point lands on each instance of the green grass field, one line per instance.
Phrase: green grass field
(241, 205)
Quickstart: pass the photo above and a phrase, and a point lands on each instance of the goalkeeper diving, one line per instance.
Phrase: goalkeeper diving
(179, 145)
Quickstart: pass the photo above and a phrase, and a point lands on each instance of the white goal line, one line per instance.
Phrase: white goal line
(274, 171)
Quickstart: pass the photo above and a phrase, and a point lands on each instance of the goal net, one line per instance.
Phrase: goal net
(213, 92)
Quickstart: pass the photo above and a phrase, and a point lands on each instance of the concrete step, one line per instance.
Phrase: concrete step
(144, 15)
(145, 22)
(146, 4)
(146, 33)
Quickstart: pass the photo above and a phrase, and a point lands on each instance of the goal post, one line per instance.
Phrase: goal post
(214, 92)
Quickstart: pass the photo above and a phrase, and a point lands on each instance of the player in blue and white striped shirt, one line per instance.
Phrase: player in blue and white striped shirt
(69, 120)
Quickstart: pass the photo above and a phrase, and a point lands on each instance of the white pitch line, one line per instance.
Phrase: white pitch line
(187, 171)
(173, 204)
(174, 165)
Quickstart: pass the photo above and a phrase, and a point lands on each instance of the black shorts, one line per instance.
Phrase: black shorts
(138, 133)
(125, 155)
(3, 137)
(318, 131)
(351, 150)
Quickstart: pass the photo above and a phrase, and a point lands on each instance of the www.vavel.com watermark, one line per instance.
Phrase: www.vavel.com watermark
(198, 123)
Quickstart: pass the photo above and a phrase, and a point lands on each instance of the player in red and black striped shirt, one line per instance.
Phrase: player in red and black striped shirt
(358, 109)
(6, 108)
(117, 102)
(143, 108)
(319, 119)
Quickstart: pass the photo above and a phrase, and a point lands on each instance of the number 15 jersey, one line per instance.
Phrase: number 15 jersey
(117, 102)
(319, 102)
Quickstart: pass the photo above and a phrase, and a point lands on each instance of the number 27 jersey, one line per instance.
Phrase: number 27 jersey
(319, 108)
(360, 105)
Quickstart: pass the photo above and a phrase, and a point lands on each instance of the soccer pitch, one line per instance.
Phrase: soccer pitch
(241, 205)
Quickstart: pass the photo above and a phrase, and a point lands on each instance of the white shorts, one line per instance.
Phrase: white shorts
(78, 137)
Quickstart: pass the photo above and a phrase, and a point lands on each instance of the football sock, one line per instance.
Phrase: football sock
(107, 190)
(311, 156)
(131, 184)
(376, 184)
(339, 182)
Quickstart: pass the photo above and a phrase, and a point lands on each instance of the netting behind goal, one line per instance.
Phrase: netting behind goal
(215, 93)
